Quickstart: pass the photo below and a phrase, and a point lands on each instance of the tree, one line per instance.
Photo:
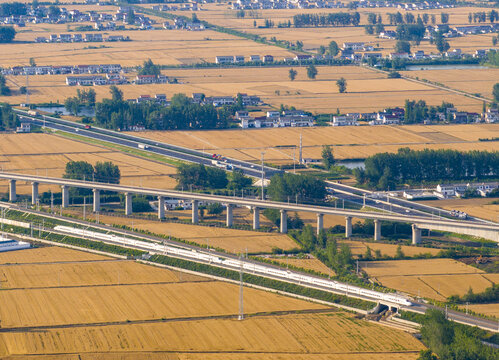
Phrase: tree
(342, 85)
(7, 34)
(292, 74)
(441, 44)
(107, 172)
(4, 89)
(72, 104)
(311, 71)
(333, 48)
(321, 50)
(298, 187)
(403, 46)
(495, 92)
(32, 62)
(399, 254)
(140, 204)
(444, 18)
(149, 68)
(327, 156)
(79, 170)
(238, 181)
(54, 11)
(198, 176)
(130, 18)
(116, 93)
(215, 208)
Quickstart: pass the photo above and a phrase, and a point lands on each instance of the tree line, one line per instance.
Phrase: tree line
(385, 170)
(452, 341)
(105, 172)
(116, 113)
(483, 16)
(8, 119)
(200, 177)
(320, 20)
(489, 295)
(418, 111)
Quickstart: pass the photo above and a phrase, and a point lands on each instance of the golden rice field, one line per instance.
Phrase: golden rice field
(231, 240)
(86, 273)
(487, 309)
(473, 81)
(315, 37)
(167, 47)
(367, 90)
(296, 334)
(49, 254)
(47, 155)
(360, 248)
(169, 315)
(311, 263)
(347, 142)
(479, 207)
(432, 278)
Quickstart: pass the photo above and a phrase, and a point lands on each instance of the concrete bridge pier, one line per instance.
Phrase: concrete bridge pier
(34, 192)
(256, 218)
(416, 235)
(284, 221)
(12, 191)
(161, 207)
(65, 196)
(377, 230)
(348, 226)
(128, 204)
(230, 217)
(195, 212)
(320, 223)
(96, 200)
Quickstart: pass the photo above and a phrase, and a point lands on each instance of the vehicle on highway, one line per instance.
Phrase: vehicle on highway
(143, 146)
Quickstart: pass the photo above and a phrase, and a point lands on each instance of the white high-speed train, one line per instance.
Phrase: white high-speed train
(249, 267)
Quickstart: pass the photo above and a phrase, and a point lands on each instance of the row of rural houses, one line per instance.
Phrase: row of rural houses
(89, 37)
(294, 118)
(63, 69)
(331, 4)
(396, 116)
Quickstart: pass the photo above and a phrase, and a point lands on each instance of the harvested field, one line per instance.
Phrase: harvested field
(88, 316)
(347, 142)
(432, 278)
(306, 263)
(281, 335)
(486, 309)
(360, 247)
(89, 273)
(231, 240)
(172, 47)
(47, 155)
(476, 81)
(479, 207)
(49, 254)
(312, 38)
(367, 90)
(136, 302)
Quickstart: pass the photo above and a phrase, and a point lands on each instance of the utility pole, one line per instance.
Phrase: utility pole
(241, 304)
(263, 176)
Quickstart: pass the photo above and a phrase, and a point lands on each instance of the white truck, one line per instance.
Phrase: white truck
(143, 146)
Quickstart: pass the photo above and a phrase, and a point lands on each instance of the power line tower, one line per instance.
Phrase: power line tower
(241, 304)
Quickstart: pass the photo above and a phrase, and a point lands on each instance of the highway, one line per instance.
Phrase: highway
(233, 263)
(458, 226)
(342, 192)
